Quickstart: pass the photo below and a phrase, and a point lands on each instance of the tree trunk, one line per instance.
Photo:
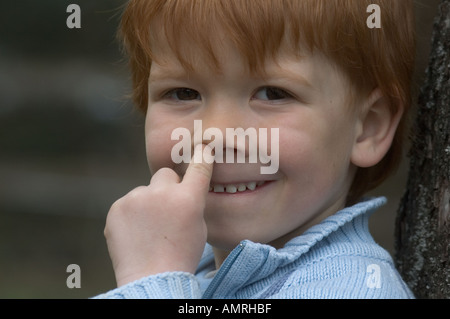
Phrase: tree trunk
(423, 220)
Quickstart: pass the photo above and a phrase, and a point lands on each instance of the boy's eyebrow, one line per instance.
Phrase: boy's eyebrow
(285, 74)
(165, 74)
(291, 76)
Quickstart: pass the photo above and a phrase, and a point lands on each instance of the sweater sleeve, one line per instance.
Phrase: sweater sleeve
(169, 285)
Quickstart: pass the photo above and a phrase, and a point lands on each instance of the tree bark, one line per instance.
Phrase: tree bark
(423, 219)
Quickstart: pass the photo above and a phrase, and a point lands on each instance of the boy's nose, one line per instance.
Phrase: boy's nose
(225, 134)
(223, 116)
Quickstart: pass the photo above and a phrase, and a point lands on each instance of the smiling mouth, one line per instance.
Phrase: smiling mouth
(235, 188)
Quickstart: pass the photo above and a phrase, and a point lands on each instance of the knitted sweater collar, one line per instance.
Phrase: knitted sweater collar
(251, 262)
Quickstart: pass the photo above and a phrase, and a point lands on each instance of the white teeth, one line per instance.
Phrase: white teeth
(231, 189)
(219, 188)
(251, 186)
(242, 187)
(234, 188)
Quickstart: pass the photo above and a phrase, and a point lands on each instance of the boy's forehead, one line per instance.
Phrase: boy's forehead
(207, 51)
(186, 52)
(214, 55)
(219, 55)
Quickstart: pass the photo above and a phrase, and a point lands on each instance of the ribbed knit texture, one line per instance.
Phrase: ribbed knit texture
(337, 258)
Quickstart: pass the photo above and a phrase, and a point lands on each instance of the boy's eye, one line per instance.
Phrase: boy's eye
(271, 93)
(183, 94)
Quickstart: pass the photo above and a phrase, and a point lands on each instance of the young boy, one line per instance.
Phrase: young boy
(336, 91)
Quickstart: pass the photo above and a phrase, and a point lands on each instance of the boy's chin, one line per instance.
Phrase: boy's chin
(224, 243)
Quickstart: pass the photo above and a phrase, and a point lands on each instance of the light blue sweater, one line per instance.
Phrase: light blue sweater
(337, 258)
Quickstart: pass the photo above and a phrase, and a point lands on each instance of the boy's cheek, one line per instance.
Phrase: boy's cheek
(158, 149)
(159, 128)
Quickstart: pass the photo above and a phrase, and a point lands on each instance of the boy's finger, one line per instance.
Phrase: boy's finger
(199, 172)
(165, 176)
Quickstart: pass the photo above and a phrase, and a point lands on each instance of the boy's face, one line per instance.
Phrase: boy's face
(307, 99)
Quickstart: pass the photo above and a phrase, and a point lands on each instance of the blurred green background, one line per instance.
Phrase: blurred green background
(71, 144)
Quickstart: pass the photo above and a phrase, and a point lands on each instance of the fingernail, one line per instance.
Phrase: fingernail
(198, 153)
(207, 155)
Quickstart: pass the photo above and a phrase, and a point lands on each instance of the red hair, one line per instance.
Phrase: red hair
(370, 58)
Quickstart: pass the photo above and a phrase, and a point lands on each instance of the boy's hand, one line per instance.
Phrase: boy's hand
(160, 227)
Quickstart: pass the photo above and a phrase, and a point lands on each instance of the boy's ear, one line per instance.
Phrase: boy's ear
(376, 129)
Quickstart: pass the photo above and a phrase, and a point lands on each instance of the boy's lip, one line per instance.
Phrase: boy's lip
(237, 175)
(237, 187)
